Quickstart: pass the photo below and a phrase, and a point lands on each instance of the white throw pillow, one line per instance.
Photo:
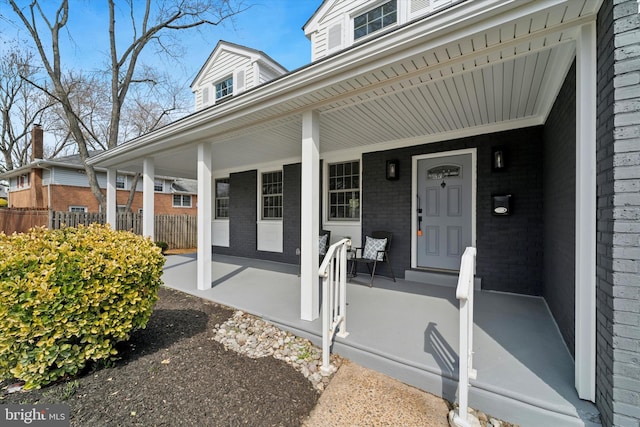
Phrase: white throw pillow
(372, 246)
(322, 244)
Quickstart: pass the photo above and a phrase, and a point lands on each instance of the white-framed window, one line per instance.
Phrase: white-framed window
(158, 185)
(81, 209)
(272, 195)
(181, 201)
(22, 181)
(224, 88)
(222, 198)
(375, 19)
(344, 191)
(121, 181)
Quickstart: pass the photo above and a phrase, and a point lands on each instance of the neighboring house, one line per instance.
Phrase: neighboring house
(510, 126)
(4, 190)
(61, 184)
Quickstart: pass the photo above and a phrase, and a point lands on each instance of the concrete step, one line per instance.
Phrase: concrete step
(437, 278)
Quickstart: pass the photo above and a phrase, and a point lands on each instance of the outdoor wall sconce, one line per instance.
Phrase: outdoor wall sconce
(392, 170)
(498, 156)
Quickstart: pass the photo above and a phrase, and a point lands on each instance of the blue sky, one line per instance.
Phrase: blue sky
(273, 26)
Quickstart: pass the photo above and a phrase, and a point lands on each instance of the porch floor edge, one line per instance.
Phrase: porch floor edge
(482, 396)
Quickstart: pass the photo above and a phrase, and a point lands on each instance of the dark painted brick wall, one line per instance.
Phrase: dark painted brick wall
(242, 215)
(291, 213)
(243, 199)
(509, 248)
(559, 185)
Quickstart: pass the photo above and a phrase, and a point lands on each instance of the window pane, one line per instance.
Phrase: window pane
(389, 7)
(344, 191)
(272, 195)
(222, 187)
(374, 26)
(375, 14)
(375, 19)
(389, 19)
(360, 20)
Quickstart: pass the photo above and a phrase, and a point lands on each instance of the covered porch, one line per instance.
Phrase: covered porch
(485, 73)
(409, 331)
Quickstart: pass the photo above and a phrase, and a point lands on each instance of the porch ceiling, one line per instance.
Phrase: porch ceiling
(504, 71)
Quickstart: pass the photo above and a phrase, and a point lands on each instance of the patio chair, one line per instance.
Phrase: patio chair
(376, 250)
(324, 241)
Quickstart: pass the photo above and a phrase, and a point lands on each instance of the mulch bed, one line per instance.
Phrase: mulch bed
(173, 373)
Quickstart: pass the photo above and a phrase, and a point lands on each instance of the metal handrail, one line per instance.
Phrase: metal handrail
(333, 272)
(464, 292)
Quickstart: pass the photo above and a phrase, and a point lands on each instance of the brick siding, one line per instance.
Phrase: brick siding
(618, 214)
(509, 247)
(559, 189)
(243, 208)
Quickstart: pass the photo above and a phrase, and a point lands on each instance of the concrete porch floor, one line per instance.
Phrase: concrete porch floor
(409, 331)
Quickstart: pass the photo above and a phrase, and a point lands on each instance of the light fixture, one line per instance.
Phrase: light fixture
(498, 158)
(392, 170)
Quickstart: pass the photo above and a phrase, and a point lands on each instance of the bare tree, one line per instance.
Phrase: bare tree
(21, 105)
(157, 24)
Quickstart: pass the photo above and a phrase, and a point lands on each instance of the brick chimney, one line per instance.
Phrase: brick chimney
(37, 143)
(37, 152)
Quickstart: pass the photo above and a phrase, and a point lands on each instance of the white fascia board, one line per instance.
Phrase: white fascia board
(311, 25)
(415, 38)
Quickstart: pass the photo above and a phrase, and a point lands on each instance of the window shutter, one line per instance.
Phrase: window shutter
(205, 95)
(334, 37)
(418, 5)
(239, 81)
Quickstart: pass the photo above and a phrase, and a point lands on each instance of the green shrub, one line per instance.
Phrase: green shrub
(68, 296)
(162, 245)
(3, 203)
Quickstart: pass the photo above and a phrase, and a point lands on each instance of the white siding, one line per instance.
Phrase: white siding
(335, 24)
(266, 74)
(337, 14)
(224, 66)
(72, 177)
(46, 177)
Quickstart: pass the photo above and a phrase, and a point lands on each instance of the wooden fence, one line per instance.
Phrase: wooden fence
(17, 220)
(179, 231)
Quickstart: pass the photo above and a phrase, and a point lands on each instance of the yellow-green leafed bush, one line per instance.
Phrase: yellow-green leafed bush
(68, 296)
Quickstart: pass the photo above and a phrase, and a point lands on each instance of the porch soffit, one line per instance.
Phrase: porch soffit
(504, 75)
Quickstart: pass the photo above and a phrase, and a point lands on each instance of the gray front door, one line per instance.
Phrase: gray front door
(444, 204)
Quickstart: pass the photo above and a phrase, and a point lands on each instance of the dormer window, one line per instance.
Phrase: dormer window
(224, 88)
(375, 19)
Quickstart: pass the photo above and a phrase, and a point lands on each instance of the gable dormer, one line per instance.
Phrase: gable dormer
(230, 70)
(338, 24)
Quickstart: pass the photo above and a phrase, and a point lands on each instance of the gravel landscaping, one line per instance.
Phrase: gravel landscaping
(175, 372)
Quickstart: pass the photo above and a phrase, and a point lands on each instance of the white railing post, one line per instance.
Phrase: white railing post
(333, 271)
(464, 292)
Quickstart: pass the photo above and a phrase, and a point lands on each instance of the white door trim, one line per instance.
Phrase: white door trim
(414, 192)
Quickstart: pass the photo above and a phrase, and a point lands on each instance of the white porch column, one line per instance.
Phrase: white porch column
(111, 197)
(310, 221)
(585, 285)
(204, 216)
(148, 196)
